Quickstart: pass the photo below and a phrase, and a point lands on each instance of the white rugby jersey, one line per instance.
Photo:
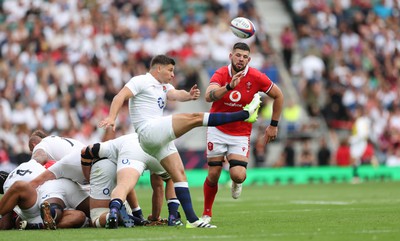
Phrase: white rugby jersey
(57, 147)
(149, 101)
(27, 171)
(67, 154)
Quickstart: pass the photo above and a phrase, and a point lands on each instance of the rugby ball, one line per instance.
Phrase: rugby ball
(242, 27)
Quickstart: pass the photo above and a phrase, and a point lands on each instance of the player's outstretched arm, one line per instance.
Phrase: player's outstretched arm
(183, 95)
(116, 104)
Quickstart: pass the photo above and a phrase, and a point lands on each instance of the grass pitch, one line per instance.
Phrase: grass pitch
(345, 212)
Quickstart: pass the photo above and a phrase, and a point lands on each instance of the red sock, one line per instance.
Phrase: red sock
(210, 191)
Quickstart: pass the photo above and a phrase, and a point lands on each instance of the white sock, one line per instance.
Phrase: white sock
(205, 118)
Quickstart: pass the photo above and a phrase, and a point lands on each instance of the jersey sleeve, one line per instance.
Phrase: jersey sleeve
(217, 78)
(169, 87)
(266, 83)
(134, 85)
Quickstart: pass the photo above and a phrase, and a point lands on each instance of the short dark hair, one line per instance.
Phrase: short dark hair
(39, 133)
(242, 46)
(3, 177)
(161, 59)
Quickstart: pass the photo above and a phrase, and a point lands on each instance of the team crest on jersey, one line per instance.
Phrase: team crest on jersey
(161, 103)
(210, 146)
(235, 96)
(248, 86)
(164, 88)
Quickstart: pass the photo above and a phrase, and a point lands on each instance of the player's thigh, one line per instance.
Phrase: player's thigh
(71, 193)
(102, 179)
(221, 144)
(155, 134)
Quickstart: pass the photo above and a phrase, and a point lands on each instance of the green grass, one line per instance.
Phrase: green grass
(368, 211)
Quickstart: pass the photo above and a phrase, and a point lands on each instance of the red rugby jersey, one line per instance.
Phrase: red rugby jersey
(254, 81)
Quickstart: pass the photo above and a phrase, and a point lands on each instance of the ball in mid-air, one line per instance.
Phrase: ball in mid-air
(242, 27)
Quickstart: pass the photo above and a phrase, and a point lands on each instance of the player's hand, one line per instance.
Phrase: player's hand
(107, 122)
(236, 79)
(194, 92)
(271, 133)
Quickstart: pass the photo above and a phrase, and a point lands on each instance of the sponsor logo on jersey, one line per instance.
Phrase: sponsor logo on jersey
(235, 96)
(126, 162)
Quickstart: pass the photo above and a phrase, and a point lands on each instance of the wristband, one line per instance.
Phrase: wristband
(228, 87)
(274, 123)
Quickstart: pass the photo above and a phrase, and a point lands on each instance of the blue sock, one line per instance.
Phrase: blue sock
(116, 204)
(220, 118)
(173, 205)
(183, 194)
(138, 213)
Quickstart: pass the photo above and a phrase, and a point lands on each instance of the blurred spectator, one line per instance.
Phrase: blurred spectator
(342, 155)
(358, 46)
(291, 116)
(307, 157)
(288, 155)
(323, 153)
(288, 41)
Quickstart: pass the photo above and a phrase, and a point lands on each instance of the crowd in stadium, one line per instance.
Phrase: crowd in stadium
(62, 62)
(349, 58)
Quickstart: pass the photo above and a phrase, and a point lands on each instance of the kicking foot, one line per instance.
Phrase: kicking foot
(252, 108)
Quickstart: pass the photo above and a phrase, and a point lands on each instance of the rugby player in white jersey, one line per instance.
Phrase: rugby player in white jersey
(148, 95)
(67, 154)
(48, 202)
(125, 162)
(65, 151)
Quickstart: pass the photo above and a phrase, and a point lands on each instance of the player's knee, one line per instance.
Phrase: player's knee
(238, 175)
(91, 152)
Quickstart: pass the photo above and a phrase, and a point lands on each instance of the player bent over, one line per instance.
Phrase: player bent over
(115, 167)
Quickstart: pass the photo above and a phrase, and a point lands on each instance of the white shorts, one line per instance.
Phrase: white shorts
(221, 144)
(103, 179)
(31, 215)
(156, 137)
(70, 192)
(127, 153)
